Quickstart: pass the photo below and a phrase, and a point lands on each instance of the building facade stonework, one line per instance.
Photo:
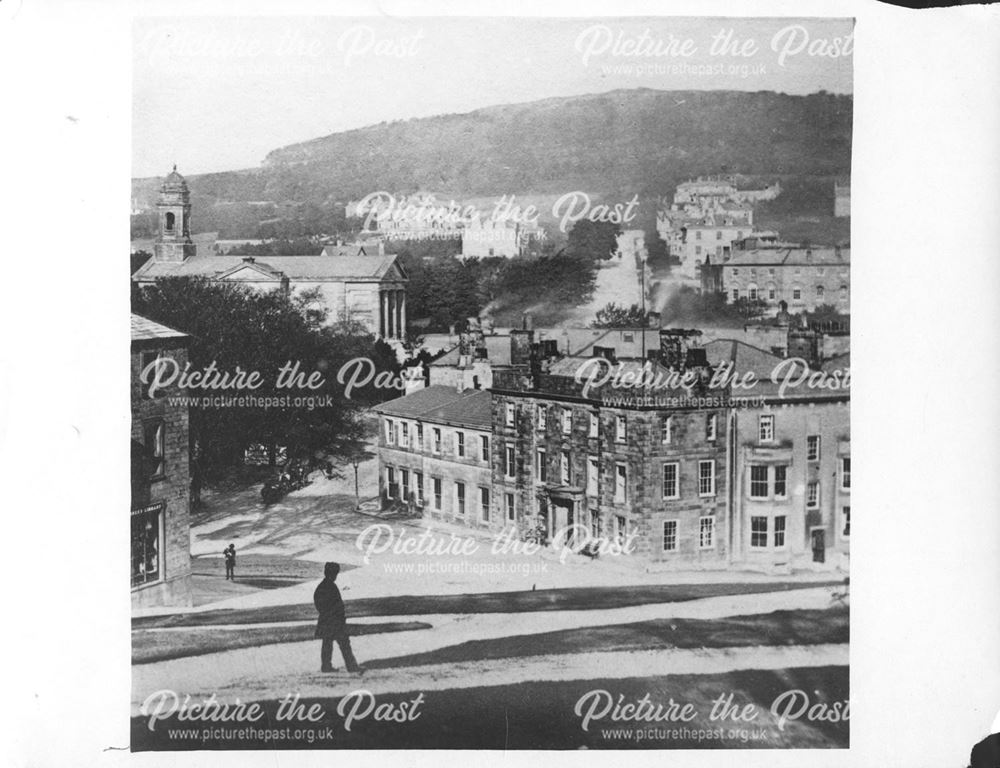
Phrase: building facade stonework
(160, 511)
(804, 278)
(793, 483)
(434, 450)
(652, 477)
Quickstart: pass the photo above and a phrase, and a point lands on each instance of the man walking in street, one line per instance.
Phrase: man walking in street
(332, 624)
(230, 554)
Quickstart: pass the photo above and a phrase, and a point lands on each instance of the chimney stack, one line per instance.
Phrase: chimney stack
(521, 341)
(674, 347)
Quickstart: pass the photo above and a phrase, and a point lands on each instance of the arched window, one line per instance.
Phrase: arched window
(843, 293)
(752, 291)
(169, 222)
(820, 292)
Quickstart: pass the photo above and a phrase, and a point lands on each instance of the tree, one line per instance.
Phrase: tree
(234, 326)
(615, 316)
(595, 240)
(656, 246)
(355, 452)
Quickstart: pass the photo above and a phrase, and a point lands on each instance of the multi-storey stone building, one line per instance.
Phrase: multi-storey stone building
(802, 277)
(621, 464)
(705, 478)
(791, 465)
(434, 454)
(161, 531)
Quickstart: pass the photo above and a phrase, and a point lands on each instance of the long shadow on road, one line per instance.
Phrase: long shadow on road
(577, 598)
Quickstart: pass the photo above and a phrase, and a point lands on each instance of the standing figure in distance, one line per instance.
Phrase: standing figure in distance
(332, 624)
(230, 554)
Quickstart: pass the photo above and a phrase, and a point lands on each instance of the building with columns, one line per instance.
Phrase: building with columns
(360, 283)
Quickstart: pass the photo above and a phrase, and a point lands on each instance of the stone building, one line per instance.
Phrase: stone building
(360, 283)
(621, 464)
(792, 468)
(161, 545)
(434, 453)
(708, 479)
(471, 362)
(486, 238)
(704, 189)
(685, 479)
(695, 237)
(803, 277)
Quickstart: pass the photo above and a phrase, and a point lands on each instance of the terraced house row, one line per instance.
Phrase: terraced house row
(697, 481)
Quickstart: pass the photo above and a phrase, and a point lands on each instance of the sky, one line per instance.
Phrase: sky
(213, 94)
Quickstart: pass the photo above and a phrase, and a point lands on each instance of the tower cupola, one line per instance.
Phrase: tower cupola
(173, 208)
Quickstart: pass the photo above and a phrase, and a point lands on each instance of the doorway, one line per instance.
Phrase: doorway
(561, 518)
(818, 540)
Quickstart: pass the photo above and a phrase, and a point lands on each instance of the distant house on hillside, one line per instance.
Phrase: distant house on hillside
(483, 239)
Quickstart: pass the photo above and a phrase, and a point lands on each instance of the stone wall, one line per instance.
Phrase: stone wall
(172, 488)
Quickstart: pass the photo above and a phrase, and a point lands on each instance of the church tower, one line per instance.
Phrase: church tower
(173, 208)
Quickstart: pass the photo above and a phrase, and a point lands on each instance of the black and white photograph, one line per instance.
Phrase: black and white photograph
(484, 385)
(519, 426)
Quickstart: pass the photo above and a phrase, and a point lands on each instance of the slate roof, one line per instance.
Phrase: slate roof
(321, 267)
(746, 358)
(804, 257)
(749, 359)
(444, 405)
(144, 329)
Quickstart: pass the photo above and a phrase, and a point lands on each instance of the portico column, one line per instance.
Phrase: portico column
(391, 300)
(398, 295)
(402, 314)
(385, 314)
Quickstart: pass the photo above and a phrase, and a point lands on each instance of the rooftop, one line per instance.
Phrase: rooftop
(326, 266)
(144, 329)
(444, 405)
(786, 257)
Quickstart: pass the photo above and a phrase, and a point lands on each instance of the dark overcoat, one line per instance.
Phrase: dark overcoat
(330, 605)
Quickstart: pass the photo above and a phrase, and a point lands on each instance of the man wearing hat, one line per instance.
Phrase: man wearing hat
(332, 624)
